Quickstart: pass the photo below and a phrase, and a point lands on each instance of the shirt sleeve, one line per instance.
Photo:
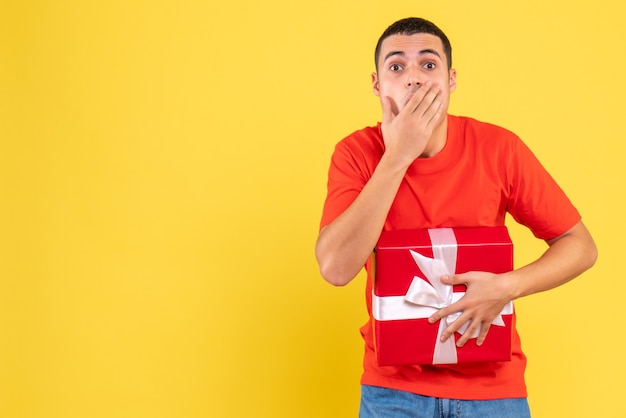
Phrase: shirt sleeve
(345, 182)
(535, 199)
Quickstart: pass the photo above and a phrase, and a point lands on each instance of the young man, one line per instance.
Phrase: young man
(423, 168)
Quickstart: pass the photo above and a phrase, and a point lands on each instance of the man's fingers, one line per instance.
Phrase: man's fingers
(418, 94)
(425, 98)
(484, 329)
(472, 329)
(387, 106)
(455, 325)
(433, 113)
(481, 329)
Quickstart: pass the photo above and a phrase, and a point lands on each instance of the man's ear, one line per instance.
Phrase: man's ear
(375, 85)
(452, 80)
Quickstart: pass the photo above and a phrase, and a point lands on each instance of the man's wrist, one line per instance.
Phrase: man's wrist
(394, 166)
(514, 282)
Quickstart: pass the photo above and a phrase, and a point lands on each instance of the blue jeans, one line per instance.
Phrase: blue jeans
(379, 402)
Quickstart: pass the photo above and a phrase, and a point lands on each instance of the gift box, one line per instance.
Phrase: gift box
(407, 290)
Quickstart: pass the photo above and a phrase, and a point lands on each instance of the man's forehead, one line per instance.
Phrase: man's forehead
(408, 43)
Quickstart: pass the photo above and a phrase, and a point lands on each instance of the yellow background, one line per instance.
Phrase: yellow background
(162, 173)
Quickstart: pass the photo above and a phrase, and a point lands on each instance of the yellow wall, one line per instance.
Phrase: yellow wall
(162, 172)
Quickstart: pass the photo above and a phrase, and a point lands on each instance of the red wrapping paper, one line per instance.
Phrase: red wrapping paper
(402, 332)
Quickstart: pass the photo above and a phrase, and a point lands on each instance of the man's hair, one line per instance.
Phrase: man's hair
(411, 26)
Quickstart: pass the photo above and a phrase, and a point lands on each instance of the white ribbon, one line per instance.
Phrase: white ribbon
(423, 299)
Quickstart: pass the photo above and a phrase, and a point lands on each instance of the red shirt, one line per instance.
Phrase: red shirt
(482, 173)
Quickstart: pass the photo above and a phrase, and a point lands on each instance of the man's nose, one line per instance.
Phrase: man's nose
(413, 80)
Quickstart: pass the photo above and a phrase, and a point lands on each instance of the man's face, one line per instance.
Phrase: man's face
(406, 62)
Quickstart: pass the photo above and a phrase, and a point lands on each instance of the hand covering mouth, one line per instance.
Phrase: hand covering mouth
(410, 94)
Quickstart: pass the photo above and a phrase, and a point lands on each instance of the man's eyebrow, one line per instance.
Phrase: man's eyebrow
(392, 54)
(430, 51)
(402, 54)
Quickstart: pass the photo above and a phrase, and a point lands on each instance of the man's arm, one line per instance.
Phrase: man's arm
(344, 245)
(568, 256)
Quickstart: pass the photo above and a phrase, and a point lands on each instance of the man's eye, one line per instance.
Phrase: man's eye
(430, 65)
(395, 67)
